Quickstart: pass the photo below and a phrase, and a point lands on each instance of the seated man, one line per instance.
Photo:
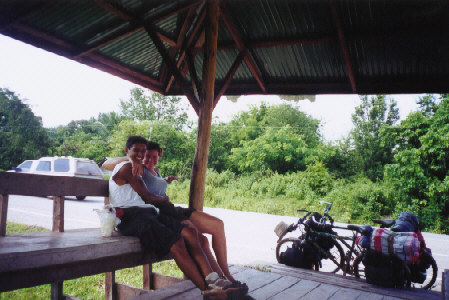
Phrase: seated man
(197, 220)
(160, 233)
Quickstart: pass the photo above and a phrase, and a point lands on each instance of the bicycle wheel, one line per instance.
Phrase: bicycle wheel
(335, 261)
(431, 275)
(358, 267)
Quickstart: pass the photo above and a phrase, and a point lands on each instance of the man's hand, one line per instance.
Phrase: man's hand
(170, 178)
(137, 168)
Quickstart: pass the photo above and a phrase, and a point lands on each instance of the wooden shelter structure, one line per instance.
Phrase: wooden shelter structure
(205, 49)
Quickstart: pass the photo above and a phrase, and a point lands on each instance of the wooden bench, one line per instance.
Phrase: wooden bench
(32, 259)
(445, 284)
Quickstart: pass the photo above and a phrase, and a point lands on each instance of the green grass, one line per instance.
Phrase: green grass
(89, 287)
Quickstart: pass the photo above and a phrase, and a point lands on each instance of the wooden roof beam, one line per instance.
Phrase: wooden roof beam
(135, 23)
(242, 47)
(187, 42)
(181, 36)
(343, 45)
(229, 76)
(151, 30)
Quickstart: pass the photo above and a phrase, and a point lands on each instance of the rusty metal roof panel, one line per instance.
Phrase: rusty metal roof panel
(302, 62)
(135, 50)
(297, 46)
(74, 21)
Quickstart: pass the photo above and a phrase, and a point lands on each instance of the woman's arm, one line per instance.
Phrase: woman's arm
(110, 163)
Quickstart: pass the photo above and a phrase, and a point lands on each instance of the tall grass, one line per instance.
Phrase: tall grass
(354, 201)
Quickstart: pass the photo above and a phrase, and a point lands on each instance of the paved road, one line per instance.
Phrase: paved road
(250, 236)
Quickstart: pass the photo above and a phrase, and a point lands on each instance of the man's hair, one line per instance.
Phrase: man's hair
(135, 139)
(155, 146)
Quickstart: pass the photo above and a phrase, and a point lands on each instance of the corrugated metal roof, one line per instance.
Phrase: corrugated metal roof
(279, 46)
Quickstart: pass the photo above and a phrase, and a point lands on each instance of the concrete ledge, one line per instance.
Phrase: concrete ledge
(445, 284)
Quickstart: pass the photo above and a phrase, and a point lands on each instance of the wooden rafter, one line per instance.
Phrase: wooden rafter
(242, 47)
(229, 76)
(135, 23)
(181, 36)
(343, 45)
(193, 74)
(192, 34)
(151, 30)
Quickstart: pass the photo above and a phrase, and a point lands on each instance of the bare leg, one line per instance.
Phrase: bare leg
(191, 241)
(204, 242)
(208, 224)
(186, 264)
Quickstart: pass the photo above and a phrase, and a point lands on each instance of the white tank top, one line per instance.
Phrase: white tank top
(124, 195)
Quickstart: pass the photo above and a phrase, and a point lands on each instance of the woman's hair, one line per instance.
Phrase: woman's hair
(155, 146)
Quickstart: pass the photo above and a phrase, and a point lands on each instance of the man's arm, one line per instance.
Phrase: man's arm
(125, 175)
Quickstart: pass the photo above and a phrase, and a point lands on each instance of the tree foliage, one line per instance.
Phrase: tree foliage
(369, 117)
(420, 169)
(21, 133)
(150, 106)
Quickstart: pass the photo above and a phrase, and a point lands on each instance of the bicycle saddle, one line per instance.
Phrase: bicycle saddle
(386, 223)
(362, 229)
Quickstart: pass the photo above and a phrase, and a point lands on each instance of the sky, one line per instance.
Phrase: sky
(61, 90)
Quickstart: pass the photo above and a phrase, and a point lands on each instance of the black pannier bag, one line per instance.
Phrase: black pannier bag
(298, 257)
(383, 270)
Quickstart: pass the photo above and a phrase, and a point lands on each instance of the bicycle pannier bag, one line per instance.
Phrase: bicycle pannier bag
(382, 269)
(292, 257)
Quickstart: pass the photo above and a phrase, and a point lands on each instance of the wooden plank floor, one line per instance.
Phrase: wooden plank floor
(285, 283)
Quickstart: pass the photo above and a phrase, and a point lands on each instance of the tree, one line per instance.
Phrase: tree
(22, 135)
(279, 150)
(370, 116)
(149, 106)
(253, 123)
(420, 170)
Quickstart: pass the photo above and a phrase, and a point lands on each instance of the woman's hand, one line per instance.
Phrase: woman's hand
(170, 178)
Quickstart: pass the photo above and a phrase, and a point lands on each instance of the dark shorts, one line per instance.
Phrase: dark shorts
(157, 233)
(177, 212)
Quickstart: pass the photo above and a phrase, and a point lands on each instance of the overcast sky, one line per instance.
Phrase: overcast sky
(60, 90)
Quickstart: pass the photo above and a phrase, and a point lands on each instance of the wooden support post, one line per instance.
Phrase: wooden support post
(56, 291)
(109, 286)
(147, 270)
(199, 168)
(58, 214)
(445, 284)
(3, 213)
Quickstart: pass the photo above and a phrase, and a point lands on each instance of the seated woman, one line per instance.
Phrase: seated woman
(160, 233)
(197, 220)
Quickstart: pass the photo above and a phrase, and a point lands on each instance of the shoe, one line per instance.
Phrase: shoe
(241, 285)
(223, 294)
(215, 282)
